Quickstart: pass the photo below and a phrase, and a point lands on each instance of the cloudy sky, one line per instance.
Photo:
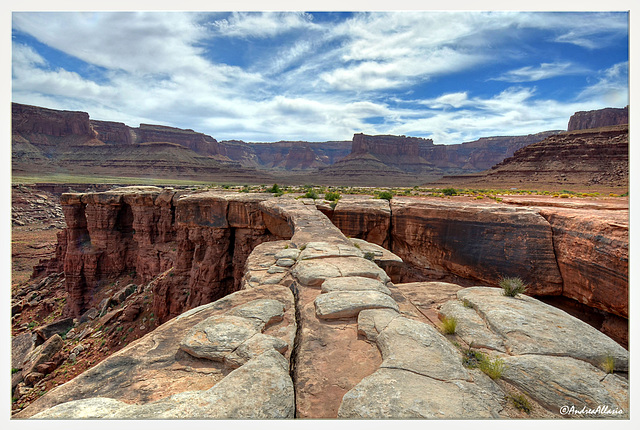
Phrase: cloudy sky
(268, 76)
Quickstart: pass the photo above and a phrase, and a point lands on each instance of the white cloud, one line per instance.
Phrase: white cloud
(543, 71)
(611, 88)
(262, 24)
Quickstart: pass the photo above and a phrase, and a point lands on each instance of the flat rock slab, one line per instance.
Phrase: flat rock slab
(265, 311)
(348, 304)
(418, 347)
(315, 272)
(401, 394)
(261, 389)
(532, 327)
(325, 249)
(354, 283)
(558, 382)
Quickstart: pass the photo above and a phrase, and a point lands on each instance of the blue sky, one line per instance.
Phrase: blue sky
(269, 76)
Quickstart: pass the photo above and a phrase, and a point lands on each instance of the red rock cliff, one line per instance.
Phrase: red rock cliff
(598, 118)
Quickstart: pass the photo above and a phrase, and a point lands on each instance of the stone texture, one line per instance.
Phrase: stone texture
(592, 249)
(354, 283)
(471, 327)
(532, 327)
(363, 218)
(419, 348)
(347, 304)
(564, 381)
(154, 368)
(401, 394)
(216, 337)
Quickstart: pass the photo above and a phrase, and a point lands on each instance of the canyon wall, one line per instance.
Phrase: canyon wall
(598, 118)
(318, 330)
(201, 240)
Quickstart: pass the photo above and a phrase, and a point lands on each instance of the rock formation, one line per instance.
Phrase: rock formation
(203, 239)
(318, 330)
(47, 141)
(595, 159)
(388, 160)
(598, 118)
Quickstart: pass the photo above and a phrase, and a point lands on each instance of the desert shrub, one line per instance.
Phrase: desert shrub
(274, 189)
(520, 402)
(311, 194)
(492, 368)
(449, 192)
(564, 196)
(386, 195)
(511, 287)
(369, 255)
(449, 325)
(333, 205)
(608, 363)
(332, 196)
(467, 304)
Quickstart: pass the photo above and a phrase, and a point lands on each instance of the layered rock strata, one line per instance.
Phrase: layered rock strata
(598, 118)
(320, 331)
(201, 240)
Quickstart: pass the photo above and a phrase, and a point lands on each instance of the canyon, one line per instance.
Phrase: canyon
(242, 302)
(300, 309)
(50, 143)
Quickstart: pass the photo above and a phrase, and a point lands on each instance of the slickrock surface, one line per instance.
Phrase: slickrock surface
(553, 357)
(318, 330)
(159, 377)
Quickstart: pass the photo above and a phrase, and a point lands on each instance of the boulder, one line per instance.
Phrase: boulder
(348, 304)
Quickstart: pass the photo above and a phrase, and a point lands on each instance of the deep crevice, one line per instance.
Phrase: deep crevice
(293, 360)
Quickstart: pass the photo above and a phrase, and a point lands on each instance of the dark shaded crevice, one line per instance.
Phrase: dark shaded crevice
(293, 360)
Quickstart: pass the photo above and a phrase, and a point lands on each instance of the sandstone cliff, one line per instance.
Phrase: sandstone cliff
(318, 330)
(202, 240)
(598, 118)
(596, 159)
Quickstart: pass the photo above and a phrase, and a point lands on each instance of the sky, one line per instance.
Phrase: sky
(452, 76)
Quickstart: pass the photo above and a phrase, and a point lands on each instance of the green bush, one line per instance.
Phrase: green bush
(449, 192)
(311, 194)
(274, 189)
(332, 196)
(369, 255)
(386, 195)
(511, 287)
(608, 363)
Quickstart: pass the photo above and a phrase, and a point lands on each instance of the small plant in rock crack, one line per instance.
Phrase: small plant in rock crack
(608, 363)
(520, 402)
(493, 368)
(511, 287)
(467, 304)
(449, 325)
(369, 255)
(471, 358)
